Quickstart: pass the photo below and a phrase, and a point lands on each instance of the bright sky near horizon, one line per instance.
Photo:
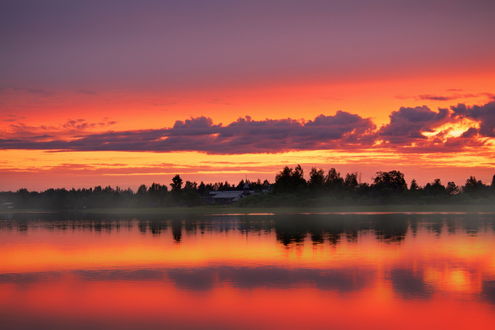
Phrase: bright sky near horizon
(129, 92)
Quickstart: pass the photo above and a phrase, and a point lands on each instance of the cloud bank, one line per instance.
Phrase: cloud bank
(419, 129)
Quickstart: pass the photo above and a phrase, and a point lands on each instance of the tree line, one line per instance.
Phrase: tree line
(386, 187)
(290, 188)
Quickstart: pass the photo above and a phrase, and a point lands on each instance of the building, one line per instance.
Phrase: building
(228, 196)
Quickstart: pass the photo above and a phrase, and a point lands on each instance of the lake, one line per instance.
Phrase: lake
(260, 271)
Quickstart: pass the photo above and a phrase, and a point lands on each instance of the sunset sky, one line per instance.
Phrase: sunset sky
(107, 92)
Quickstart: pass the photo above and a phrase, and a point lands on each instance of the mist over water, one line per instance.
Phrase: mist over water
(371, 270)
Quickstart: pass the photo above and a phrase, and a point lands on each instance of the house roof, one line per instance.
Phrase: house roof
(227, 194)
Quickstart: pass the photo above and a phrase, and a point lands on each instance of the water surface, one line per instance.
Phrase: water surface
(350, 271)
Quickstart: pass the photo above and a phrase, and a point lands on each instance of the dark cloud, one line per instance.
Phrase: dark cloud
(11, 118)
(72, 128)
(471, 132)
(408, 124)
(406, 131)
(82, 124)
(431, 97)
(244, 135)
(484, 114)
(435, 97)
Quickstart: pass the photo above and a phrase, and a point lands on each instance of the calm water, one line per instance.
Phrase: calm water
(354, 271)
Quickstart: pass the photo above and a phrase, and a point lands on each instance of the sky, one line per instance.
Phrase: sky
(127, 92)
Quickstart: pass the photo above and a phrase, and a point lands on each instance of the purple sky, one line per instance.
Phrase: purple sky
(108, 44)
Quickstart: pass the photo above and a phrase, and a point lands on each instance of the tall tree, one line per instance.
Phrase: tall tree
(289, 180)
(414, 185)
(473, 186)
(435, 188)
(452, 188)
(316, 178)
(141, 190)
(176, 183)
(389, 182)
(333, 179)
(351, 181)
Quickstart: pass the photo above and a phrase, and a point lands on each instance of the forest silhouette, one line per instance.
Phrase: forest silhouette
(290, 188)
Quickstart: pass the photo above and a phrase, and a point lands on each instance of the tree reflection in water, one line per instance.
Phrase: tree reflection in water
(426, 259)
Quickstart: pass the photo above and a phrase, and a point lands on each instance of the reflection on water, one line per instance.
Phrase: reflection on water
(261, 271)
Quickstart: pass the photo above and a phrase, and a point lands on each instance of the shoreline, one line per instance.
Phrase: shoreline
(235, 210)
